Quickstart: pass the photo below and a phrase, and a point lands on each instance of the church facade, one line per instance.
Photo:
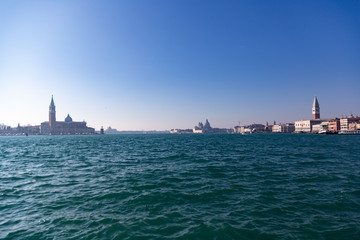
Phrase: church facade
(67, 127)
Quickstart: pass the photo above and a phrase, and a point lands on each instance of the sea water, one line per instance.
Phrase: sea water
(257, 186)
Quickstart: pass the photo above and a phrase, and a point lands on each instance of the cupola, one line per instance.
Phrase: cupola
(68, 118)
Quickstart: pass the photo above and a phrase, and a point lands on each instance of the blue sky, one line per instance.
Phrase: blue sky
(167, 64)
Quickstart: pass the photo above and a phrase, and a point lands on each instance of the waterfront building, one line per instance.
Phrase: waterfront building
(316, 109)
(334, 125)
(253, 128)
(242, 129)
(206, 128)
(277, 128)
(20, 130)
(180, 131)
(237, 129)
(316, 128)
(306, 126)
(197, 130)
(68, 127)
(201, 128)
(354, 126)
(283, 128)
(344, 122)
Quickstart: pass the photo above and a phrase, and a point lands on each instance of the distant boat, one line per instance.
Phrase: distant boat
(324, 131)
(324, 128)
(350, 132)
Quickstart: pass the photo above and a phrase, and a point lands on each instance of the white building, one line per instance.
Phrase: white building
(197, 130)
(316, 128)
(306, 126)
(242, 129)
(283, 128)
(344, 122)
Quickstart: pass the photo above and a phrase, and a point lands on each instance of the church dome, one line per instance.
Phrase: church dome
(68, 118)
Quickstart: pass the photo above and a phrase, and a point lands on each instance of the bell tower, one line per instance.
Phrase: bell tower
(316, 109)
(52, 113)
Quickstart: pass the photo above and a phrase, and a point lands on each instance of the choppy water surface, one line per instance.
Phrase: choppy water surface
(263, 186)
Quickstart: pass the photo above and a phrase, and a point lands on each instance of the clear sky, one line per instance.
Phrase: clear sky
(162, 64)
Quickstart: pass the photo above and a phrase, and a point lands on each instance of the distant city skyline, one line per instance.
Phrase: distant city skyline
(158, 65)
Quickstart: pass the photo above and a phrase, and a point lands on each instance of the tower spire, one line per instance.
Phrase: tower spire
(52, 101)
(52, 113)
(316, 109)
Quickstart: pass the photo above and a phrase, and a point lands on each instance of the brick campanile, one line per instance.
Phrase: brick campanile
(316, 109)
(52, 113)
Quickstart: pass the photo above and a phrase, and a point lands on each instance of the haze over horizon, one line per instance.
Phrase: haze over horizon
(156, 65)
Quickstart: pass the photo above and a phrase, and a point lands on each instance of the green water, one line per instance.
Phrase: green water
(260, 186)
